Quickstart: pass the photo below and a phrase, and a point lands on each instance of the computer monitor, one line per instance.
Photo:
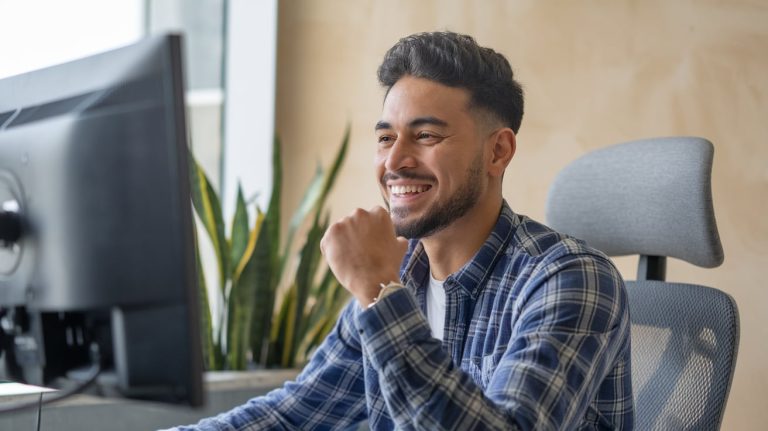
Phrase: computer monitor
(96, 230)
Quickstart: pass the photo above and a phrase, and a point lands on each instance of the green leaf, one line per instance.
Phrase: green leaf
(209, 356)
(268, 253)
(309, 260)
(307, 204)
(287, 359)
(322, 295)
(275, 201)
(251, 243)
(330, 178)
(282, 331)
(240, 308)
(263, 297)
(240, 230)
(330, 297)
(317, 192)
(208, 208)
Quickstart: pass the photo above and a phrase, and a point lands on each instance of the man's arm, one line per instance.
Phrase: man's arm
(568, 332)
(569, 324)
(328, 394)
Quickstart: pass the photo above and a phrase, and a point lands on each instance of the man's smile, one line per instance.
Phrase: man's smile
(408, 189)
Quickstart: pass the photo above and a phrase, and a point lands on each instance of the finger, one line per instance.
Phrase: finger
(359, 213)
(379, 210)
(330, 233)
(382, 216)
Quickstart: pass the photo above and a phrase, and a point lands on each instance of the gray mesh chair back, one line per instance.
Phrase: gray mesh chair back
(653, 198)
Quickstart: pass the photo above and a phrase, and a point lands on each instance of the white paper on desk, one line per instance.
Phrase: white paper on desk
(12, 388)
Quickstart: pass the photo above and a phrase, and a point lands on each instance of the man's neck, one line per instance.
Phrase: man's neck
(455, 245)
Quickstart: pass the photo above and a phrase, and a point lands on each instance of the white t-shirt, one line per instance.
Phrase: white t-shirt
(436, 307)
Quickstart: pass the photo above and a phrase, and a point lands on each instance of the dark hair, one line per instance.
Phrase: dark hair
(456, 60)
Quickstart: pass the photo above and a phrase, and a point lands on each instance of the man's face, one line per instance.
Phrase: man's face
(429, 158)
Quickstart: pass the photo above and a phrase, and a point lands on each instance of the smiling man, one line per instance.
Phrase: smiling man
(466, 315)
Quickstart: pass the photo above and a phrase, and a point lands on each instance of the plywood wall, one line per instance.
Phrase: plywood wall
(595, 73)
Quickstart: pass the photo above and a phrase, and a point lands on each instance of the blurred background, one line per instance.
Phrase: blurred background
(595, 73)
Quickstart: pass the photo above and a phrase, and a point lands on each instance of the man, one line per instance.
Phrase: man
(484, 319)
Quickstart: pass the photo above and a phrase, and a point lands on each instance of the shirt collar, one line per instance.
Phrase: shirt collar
(414, 271)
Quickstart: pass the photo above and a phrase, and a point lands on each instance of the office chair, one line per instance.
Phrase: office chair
(653, 198)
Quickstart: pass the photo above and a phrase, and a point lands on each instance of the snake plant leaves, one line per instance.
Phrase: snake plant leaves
(259, 323)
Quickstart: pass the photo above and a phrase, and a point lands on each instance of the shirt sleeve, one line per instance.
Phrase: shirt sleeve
(329, 393)
(568, 326)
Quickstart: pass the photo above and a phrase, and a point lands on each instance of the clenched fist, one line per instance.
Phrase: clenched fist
(363, 251)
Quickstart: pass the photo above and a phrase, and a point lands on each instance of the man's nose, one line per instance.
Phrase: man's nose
(400, 156)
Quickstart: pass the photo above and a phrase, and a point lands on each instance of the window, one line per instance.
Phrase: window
(40, 33)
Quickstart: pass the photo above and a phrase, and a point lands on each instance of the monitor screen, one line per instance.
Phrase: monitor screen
(96, 231)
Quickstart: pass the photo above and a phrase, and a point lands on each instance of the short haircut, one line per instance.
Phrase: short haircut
(456, 60)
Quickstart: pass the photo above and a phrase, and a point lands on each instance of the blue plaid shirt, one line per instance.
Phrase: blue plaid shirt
(536, 337)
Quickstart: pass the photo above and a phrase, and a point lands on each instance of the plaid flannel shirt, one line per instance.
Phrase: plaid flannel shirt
(536, 337)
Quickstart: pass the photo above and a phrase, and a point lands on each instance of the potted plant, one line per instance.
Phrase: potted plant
(278, 305)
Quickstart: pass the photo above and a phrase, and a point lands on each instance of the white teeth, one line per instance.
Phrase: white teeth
(401, 190)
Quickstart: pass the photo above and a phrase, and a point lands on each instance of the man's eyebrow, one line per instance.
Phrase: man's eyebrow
(420, 121)
(382, 125)
(416, 122)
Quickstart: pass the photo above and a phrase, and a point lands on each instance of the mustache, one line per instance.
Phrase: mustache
(406, 175)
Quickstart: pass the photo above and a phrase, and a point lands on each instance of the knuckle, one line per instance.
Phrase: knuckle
(331, 231)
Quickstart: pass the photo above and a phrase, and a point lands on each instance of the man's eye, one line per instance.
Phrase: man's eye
(428, 137)
(385, 139)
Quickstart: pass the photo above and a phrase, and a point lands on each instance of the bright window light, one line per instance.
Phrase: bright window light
(40, 33)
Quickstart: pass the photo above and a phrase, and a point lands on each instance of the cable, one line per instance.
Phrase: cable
(39, 411)
(20, 406)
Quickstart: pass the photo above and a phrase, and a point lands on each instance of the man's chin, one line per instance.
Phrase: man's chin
(403, 227)
(413, 228)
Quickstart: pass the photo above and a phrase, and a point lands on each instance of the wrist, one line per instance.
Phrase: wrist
(385, 289)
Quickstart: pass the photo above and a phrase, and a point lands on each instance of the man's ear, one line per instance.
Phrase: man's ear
(503, 145)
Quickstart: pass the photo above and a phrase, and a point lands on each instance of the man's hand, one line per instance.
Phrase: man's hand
(363, 251)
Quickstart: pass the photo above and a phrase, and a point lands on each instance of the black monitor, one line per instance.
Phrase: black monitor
(97, 248)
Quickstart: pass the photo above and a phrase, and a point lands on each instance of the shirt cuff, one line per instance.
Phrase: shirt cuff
(391, 326)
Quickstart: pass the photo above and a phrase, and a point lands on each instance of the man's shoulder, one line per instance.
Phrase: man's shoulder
(533, 241)
(555, 265)
(536, 239)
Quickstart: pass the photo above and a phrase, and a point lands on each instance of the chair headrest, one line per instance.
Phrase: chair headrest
(649, 197)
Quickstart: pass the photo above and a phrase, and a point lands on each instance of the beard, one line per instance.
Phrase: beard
(440, 214)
